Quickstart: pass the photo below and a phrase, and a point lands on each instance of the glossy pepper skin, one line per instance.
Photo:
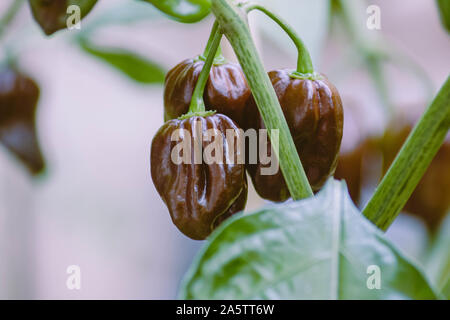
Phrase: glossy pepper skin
(226, 91)
(431, 198)
(19, 95)
(52, 14)
(198, 194)
(313, 111)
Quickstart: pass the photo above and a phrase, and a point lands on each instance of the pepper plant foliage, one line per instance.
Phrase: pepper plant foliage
(317, 248)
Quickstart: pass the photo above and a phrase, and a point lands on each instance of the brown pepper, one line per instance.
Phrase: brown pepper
(198, 192)
(226, 90)
(52, 14)
(19, 95)
(313, 111)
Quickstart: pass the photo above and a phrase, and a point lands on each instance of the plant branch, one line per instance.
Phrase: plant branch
(304, 63)
(412, 161)
(232, 20)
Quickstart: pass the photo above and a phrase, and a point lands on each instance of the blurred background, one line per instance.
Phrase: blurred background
(95, 205)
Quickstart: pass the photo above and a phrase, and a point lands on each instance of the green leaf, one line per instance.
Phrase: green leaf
(438, 262)
(134, 66)
(444, 11)
(187, 11)
(317, 248)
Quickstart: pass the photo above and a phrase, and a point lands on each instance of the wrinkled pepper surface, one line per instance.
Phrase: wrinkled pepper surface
(198, 192)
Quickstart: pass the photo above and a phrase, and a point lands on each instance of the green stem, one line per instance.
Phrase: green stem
(412, 161)
(235, 28)
(304, 62)
(197, 102)
(9, 15)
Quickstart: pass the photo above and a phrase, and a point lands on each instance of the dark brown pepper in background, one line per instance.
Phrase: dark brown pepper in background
(313, 111)
(226, 91)
(52, 14)
(199, 196)
(18, 102)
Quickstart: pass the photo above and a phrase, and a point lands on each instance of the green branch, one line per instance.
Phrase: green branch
(411, 162)
(232, 20)
(304, 62)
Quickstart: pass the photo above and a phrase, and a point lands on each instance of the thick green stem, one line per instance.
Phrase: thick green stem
(304, 62)
(233, 24)
(9, 15)
(197, 102)
(411, 162)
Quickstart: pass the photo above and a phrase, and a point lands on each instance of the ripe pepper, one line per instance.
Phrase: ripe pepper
(431, 198)
(52, 14)
(226, 91)
(199, 194)
(313, 110)
(19, 95)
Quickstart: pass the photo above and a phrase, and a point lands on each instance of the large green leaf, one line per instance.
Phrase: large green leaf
(444, 11)
(318, 248)
(438, 262)
(187, 11)
(134, 66)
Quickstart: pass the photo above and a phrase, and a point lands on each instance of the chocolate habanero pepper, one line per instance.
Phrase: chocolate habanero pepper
(53, 15)
(226, 91)
(18, 102)
(313, 110)
(199, 192)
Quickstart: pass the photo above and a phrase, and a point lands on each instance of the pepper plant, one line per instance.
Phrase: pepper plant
(319, 246)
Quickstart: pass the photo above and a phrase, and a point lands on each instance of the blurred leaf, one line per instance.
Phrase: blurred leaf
(52, 14)
(308, 18)
(438, 264)
(187, 11)
(134, 66)
(444, 11)
(318, 248)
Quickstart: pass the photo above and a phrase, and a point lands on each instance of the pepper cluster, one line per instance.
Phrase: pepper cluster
(201, 195)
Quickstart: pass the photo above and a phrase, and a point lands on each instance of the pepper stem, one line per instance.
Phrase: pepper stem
(235, 28)
(197, 103)
(304, 62)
